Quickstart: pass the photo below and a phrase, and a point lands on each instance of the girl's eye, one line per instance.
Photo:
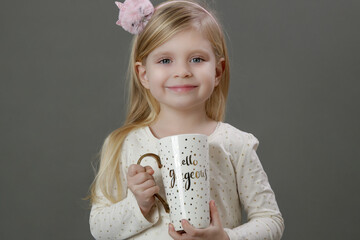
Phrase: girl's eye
(165, 61)
(197, 60)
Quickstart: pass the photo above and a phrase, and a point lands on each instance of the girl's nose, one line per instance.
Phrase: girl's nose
(182, 71)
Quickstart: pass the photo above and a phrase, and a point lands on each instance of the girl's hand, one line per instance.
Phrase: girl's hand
(214, 231)
(142, 184)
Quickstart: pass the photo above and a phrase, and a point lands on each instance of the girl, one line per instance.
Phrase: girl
(179, 78)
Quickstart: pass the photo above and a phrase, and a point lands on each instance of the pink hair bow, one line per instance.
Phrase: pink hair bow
(134, 15)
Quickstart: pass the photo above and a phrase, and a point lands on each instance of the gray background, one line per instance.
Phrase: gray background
(294, 85)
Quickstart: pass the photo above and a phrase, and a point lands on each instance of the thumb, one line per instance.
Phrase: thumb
(149, 170)
(214, 214)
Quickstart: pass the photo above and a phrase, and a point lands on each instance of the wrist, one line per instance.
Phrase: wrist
(226, 236)
(147, 212)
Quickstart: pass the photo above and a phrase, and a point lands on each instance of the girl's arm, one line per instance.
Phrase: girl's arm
(120, 220)
(257, 198)
(123, 219)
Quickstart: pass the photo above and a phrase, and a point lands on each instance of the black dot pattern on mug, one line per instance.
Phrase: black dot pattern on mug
(186, 178)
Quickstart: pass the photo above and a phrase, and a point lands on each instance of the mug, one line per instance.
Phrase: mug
(184, 163)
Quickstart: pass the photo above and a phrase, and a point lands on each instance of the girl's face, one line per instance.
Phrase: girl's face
(182, 73)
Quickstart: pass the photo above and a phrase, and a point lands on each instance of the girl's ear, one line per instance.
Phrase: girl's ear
(141, 71)
(220, 67)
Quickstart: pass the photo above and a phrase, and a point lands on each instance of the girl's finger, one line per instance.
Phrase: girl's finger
(135, 169)
(146, 185)
(175, 235)
(141, 178)
(189, 229)
(151, 191)
(149, 170)
(214, 214)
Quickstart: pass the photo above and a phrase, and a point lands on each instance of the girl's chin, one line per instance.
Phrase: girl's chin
(184, 106)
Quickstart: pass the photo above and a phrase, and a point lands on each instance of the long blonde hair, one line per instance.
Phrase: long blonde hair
(143, 109)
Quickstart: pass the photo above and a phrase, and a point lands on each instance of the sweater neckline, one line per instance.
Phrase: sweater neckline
(148, 131)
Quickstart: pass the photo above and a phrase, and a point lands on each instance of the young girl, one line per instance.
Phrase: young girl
(179, 79)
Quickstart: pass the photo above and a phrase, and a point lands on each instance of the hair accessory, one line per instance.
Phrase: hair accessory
(134, 15)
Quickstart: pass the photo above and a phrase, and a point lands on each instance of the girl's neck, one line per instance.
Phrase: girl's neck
(181, 122)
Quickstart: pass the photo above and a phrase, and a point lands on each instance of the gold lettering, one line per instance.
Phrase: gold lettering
(172, 175)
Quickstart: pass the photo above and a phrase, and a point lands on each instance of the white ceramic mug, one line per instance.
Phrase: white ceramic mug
(185, 173)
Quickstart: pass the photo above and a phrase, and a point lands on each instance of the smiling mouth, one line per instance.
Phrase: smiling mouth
(182, 88)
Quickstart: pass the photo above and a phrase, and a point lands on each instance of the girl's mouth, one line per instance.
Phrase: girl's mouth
(182, 88)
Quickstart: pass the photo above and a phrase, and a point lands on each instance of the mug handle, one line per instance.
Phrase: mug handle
(157, 158)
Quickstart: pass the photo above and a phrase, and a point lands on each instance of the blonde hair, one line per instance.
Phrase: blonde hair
(143, 109)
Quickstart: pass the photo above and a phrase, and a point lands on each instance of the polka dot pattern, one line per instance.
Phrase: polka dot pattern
(237, 181)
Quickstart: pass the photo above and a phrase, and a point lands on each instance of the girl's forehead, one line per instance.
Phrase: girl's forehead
(186, 40)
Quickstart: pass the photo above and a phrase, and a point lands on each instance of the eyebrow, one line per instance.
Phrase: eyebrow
(193, 51)
(161, 53)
